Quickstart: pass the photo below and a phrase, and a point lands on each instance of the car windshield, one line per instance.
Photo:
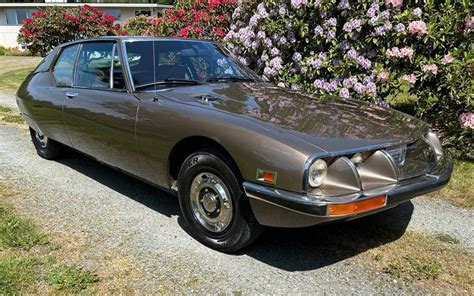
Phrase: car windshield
(161, 63)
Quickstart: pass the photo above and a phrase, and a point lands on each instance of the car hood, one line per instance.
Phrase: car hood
(331, 124)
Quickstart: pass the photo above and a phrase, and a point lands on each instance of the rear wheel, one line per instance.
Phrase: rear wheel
(45, 147)
(213, 203)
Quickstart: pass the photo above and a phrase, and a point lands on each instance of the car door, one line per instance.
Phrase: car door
(99, 111)
(46, 96)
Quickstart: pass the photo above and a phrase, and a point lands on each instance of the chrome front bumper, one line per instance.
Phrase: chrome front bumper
(281, 208)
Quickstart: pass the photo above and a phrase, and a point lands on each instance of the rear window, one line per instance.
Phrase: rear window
(43, 66)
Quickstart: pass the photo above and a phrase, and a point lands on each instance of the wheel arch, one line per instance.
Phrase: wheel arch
(186, 146)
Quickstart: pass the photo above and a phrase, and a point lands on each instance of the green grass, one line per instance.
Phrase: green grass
(70, 278)
(17, 232)
(12, 118)
(8, 115)
(460, 190)
(426, 262)
(4, 109)
(446, 238)
(11, 81)
(414, 269)
(16, 274)
(27, 258)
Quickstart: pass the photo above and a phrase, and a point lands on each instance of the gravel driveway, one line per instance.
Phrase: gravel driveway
(119, 225)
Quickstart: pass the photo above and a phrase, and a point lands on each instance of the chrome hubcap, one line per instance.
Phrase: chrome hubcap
(211, 202)
(41, 139)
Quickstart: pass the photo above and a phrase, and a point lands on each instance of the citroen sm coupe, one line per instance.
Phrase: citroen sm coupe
(237, 151)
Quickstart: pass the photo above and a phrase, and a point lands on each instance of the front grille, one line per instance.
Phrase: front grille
(413, 160)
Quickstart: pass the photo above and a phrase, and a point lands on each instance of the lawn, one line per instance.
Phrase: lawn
(13, 71)
(29, 261)
(460, 190)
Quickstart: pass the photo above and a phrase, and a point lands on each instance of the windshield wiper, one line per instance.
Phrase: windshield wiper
(170, 81)
(234, 78)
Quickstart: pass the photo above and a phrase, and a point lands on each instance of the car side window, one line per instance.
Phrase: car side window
(64, 66)
(141, 62)
(97, 65)
(118, 80)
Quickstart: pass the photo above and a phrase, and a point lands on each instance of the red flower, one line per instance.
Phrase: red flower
(182, 11)
(123, 32)
(183, 33)
(38, 14)
(27, 21)
(220, 18)
(198, 30)
(219, 32)
(109, 18)
(71, 18)
(90, 8)
(26, 33)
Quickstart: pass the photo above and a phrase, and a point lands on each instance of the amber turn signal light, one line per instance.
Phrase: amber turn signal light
(266, 176)
(357, 207)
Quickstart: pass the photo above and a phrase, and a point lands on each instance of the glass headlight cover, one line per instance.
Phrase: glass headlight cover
(317, 173)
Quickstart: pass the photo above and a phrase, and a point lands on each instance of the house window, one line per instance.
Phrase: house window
(142, 12)
(16, 16)
(116, 13)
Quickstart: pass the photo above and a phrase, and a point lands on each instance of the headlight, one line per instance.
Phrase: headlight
(317, 173)
(433, 140)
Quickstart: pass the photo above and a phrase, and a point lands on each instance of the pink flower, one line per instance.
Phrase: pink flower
(393, 52)
(469, 23)
(467, 120)
(447, 59)
(406, 52)
(430, 68)
(394, 3)
(410, 78)
(383, 75)
(417, 28)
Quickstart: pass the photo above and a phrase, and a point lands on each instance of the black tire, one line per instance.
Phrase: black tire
(45, 147)
(243, 228)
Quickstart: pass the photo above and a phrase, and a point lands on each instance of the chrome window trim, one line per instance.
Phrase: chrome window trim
(124, 55)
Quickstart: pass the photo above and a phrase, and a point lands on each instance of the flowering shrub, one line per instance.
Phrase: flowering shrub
(190, 19)
(56, 25)
(417, 56)
(138, 25)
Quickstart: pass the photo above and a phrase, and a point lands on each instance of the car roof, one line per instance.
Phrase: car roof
(133, 38)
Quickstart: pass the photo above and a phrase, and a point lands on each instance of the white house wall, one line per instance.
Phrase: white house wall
(9, 33)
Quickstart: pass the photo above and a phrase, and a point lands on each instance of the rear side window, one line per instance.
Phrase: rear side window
(64, 67)
(96, 64)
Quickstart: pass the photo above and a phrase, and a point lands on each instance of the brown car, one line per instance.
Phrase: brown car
(239, 152)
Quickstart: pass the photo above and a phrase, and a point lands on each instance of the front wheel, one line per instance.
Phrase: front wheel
(213, 203)
(45, 147)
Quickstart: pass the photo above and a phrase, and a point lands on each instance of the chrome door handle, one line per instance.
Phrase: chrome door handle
(71, 95)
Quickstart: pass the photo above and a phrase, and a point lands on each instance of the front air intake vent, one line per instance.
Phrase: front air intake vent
(416, 159)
